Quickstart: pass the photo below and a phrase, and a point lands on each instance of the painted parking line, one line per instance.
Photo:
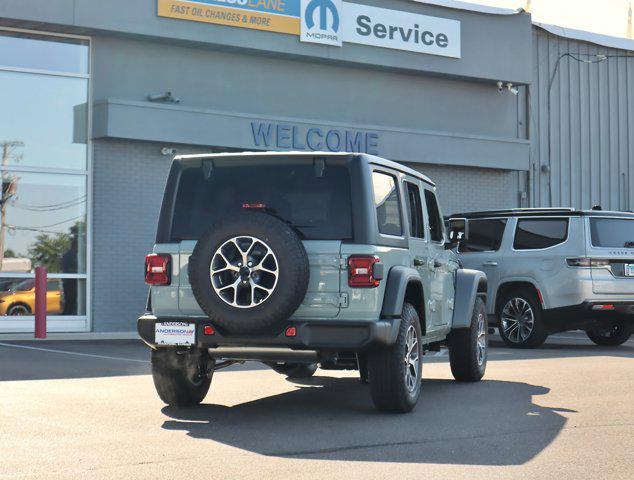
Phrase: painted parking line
(78, 354)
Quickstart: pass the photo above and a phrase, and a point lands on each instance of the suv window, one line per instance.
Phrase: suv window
(612, 232)
(485, 235)
(316, 204)
(388, 211)
(435, 221)
(532, 234)
(416, 225)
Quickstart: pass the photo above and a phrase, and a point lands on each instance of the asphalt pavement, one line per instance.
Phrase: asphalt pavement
(88, 409)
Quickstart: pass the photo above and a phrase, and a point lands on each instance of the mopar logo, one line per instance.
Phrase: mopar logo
(324, 7)
(321, 22)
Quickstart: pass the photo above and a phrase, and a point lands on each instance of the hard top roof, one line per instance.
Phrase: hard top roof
(542, 212)
(373, 159)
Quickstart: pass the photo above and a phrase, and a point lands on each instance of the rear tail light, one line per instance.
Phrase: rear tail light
(588, 262)
(361, 272)
(157, 269)
(291, 332)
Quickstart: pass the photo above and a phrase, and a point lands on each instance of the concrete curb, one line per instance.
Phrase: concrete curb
(71, 336)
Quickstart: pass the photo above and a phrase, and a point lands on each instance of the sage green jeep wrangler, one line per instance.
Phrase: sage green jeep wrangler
(307, 260)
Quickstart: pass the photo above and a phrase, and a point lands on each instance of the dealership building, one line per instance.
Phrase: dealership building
(98, 96)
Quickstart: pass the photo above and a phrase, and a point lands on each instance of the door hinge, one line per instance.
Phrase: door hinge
(432, 305)
(343, 300)
(450, 304)
(343, 263)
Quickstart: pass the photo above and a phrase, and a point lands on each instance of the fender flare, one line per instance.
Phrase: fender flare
(469, 284)
(398, 279)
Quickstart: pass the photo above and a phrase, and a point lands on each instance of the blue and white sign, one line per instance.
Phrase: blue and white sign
(321, 22)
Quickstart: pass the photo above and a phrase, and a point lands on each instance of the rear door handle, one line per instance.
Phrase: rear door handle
(419, 262)
(490, 264)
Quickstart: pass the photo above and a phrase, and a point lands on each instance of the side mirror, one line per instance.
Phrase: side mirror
(458, 229)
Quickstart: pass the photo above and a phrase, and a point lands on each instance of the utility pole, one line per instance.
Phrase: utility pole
(629, 22)
(527, 7)
(9, 186)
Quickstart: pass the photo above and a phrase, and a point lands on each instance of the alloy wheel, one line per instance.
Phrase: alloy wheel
(244, 272)
(518, 320)
(481, 341)
(412, 359)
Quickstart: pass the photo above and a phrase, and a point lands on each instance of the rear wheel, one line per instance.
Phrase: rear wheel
(520, 319)
(611, 335)
(468, 347)
(181, 378)
(295, 370)
(395, 372)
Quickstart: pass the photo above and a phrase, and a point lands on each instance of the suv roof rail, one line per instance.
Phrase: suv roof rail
(545, 212)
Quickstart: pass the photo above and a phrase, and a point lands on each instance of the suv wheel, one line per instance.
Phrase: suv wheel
(395, 372)
(520, 319)
(181, 378)
(609, 335)
(295, 370)
(468, 347)
(249, 273)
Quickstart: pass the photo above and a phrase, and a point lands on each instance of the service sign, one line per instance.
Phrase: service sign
(327, 22)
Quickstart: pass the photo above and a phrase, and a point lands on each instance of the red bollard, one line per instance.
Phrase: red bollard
(40, 302)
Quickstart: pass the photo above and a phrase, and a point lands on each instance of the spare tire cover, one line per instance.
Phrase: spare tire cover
(249, 273)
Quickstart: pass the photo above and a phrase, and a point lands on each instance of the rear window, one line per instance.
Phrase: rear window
(484, 235)
(612, 232)
(532, 234)
(313, 198)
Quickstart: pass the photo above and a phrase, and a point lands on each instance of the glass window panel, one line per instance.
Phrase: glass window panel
(43, 120)
(41, 52)
(534, 234)
(43, 222)
(612, 232)
(484, 235)
(436, 225)
(387, 204)
(64, 296)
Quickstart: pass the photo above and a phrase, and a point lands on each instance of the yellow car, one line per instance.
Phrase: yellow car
(18, 297)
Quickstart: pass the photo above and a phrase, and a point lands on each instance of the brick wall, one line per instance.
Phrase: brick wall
(128, 182)
(464, 189)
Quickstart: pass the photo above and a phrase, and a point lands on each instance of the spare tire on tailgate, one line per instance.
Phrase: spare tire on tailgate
(249, 273)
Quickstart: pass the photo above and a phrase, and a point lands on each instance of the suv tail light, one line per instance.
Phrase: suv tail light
(157, 269)
(588, 262)
(361, 271)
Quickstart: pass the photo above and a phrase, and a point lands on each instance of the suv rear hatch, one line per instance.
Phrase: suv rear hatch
(611, 248)
(311, 194)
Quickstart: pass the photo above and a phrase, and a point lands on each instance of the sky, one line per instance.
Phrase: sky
(608, 17)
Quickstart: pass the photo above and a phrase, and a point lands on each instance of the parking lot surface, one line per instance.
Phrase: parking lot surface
(89, 410)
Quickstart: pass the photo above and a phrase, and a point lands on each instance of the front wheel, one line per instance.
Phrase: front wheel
(468, 347)
(395, 372)
(520, 319)
(181, 378)
(609, 335)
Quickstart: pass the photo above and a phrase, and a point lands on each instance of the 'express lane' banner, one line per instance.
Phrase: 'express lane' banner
(271, 15)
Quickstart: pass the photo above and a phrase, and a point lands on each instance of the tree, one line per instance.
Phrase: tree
(8, 253)
(47, 251)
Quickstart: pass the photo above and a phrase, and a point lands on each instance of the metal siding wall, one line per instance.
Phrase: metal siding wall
(591, 126)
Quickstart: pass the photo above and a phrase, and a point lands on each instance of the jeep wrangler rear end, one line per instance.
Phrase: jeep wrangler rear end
(305, 259)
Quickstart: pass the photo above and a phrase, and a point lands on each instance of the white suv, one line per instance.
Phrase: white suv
(551, 270)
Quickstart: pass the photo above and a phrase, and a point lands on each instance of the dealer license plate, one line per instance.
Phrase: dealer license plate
(629, 269)
(175, 333)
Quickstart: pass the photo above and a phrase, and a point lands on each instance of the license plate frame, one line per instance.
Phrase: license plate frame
(175, 333)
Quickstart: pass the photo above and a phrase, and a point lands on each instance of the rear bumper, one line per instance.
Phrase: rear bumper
(313, 335)
(590, 313)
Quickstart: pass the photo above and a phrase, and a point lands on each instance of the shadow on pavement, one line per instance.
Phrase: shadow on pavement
(486, 423)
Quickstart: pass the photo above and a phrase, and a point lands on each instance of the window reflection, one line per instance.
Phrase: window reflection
(39, 52)
(43, 120)
(64, 296)
(43, 222)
